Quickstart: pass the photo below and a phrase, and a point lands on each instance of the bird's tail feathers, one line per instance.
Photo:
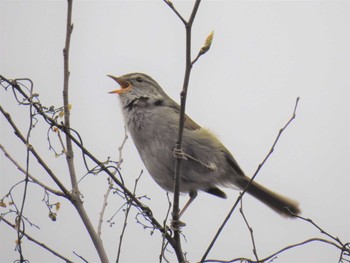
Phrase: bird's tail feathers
(281, 204)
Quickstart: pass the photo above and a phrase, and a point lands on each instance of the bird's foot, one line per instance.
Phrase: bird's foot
(179, 154)
(177, 224)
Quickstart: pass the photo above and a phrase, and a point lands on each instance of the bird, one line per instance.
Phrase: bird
(152, 119)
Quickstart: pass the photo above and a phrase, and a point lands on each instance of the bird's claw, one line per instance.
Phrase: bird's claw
(177, 225)
(179, 153)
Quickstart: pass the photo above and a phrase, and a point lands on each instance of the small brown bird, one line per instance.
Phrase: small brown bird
(152, 118)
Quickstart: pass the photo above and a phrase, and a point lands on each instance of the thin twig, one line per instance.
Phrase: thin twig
(253, 177)
(120, 148)
(34, 152)
(85, 151)
(20, 229)
(255, 252)
(274, 255)
(78, 142)
(20, 168)
(104, 205)
(127, 211)
(83, 259)
(336, 239)
(35, 241)
(164, 243)
(171, 5)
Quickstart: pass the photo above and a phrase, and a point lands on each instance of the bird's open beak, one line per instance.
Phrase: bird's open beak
(125, 85)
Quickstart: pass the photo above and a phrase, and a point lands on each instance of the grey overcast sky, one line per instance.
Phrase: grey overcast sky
(264, 55)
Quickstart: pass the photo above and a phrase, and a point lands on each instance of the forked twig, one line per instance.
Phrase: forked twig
(253, 177)
(255, 252)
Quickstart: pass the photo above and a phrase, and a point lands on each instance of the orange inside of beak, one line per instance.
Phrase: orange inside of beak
(125, 85)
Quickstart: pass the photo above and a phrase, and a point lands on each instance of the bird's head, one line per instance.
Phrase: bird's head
(137, 85)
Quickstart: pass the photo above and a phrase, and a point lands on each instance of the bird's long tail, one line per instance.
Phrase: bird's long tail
(281, 204)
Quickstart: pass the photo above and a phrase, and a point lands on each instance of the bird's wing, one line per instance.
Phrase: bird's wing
(189, 123)
(233, 163)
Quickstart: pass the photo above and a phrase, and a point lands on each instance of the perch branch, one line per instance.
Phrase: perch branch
(178, 161)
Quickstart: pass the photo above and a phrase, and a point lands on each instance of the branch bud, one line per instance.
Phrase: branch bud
(207, 44)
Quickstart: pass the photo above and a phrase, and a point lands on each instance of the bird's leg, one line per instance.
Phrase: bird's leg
(178, 224)
(179, 153)
(193, 195)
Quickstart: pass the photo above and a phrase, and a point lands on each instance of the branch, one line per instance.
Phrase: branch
(15, 163)
(66, 107)
(245, 189)
(336, 239)
(127, 211)
(255, 252)
(178, 160)
(273, 256)
(146, 211)
(35, 241)
(34, 152)
(76, 200)
(171, 5)
(104, 205)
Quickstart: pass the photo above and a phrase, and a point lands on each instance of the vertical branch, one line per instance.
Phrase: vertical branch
(76, 201)
(178, 161)
(66, 107)
(19, 221)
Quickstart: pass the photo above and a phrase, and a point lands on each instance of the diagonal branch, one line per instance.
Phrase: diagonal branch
(34, 152)
(253, 177)
(19, 167)
(78, 142)
(36, 241)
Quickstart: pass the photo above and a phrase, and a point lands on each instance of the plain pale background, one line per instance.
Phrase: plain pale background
(264, 55)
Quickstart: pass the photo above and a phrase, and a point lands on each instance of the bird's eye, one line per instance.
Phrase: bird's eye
(139, 79)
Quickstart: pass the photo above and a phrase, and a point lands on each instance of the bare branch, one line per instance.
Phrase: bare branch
(66, 106)
(34, 152)
(120, 148)
(178, 161)
(15, 163)
(164, 242)
(76, 201)
(78, 142)
(171, 5)
(127, 211)
(176, 224)
(250, 231)
(35, 241)
(274, 255)
(104, 205)
(253, 177)
(336, 239)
